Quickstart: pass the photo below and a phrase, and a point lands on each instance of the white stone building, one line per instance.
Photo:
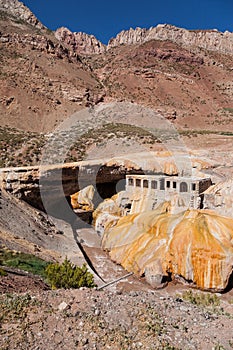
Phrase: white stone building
(145, 192)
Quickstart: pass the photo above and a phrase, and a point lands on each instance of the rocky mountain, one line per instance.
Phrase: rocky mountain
(42, 80)
(212, 40)
(45, 77)
(81, 43)
(21, 12)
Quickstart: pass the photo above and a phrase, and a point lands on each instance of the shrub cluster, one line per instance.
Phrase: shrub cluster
(68, 275)
(201, 299)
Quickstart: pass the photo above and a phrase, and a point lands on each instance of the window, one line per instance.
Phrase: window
(174, 185)
(162, 184)
(130, 182)
(193, 187)
(168, 184)
(154, 184)
(183, 187)
(138, 182)
(145, 183)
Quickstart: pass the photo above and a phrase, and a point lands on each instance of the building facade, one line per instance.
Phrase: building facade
(145, 192)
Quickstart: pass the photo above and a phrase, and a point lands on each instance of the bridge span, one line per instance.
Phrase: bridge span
(52, 182)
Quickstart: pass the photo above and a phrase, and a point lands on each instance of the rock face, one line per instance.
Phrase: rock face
(212, 40)
(83, 199)
(19, 10)
(195, 245)
(55, 182)
(81, 43)
(108, 213)
(220, 198)
(40, 43)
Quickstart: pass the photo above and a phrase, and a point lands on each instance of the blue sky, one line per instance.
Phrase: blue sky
(106, 18)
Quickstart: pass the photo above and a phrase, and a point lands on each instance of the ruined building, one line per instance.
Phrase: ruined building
(145, 192)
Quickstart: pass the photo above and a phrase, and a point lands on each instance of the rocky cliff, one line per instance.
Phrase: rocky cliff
(81, 43)
(40, 43)
(21, 12)
(212, 40)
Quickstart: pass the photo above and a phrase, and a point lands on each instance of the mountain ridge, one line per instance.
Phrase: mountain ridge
(83, 43)
(45, 80)
(19, 10)
(211, 39)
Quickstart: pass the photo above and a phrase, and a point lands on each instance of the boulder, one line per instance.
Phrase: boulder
(83, 198)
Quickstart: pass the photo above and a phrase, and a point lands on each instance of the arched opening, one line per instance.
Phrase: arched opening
(154, 184)
(183, 187)
(145, 183)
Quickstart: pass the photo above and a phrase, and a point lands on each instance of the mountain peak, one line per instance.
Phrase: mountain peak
(80, 42)
(20, 11)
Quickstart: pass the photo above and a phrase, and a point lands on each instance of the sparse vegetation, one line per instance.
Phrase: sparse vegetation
(219, 347)
(19, 148)
(2, 272)
(14, 306)
(228, 109)
(68, 275)
(201, 299)
(194, 133)
(22, 261)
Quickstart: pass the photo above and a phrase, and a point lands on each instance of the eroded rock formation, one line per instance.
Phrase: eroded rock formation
(20, 11)
(219, 198)
(212, 40)
(195, 245)
(81, 43)
(83, 199)
(39, 42)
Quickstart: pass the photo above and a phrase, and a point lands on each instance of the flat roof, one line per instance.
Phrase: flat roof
(169, 177)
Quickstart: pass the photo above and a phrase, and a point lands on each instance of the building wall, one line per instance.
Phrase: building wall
(145, 192)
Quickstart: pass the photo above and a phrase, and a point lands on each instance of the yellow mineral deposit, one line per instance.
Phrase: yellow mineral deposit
(83, 199)
(196, 245)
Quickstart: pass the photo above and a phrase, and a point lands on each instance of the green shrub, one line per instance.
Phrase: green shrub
(2, 272)
(201, 299)
(68, 275)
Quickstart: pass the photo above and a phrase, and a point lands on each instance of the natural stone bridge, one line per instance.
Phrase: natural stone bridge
(51, 183)
(46, 186)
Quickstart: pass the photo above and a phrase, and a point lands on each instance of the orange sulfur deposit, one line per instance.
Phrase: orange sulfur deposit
(195, 245)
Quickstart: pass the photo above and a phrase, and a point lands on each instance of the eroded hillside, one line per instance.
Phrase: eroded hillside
(185, 75)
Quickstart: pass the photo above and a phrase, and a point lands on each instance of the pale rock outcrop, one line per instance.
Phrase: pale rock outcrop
(195, 245)
(129, 37)
(83, 199)
(219, 198)
(20, 11)
(79, 42)
(212, 40)
(108, 213)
